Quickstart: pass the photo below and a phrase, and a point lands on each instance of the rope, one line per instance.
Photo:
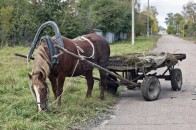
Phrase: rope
(59, 95)
(28, 63)
(56, 98)
(32, 93)
(93, 48)
(75, 68)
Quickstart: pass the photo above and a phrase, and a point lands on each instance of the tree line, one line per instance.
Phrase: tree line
(20, 19)
(183, 24)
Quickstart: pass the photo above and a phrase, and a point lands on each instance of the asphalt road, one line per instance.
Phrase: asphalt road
(173, 110)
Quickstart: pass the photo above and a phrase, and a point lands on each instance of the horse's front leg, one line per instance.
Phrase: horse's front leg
(53, 82)
(60, 82)
(90, 82)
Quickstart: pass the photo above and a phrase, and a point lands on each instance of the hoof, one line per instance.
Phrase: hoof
(102, 98)
(58, 104)
(88, 96)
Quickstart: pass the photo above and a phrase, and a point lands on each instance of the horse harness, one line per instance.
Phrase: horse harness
(52, 50)
(54, 53)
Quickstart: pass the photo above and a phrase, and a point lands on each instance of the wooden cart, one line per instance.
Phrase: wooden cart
(141, 70)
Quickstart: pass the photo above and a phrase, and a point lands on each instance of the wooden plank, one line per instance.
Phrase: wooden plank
(24, 56)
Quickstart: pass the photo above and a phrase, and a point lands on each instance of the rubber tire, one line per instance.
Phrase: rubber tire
(147, 84)
(112, 87)
(176, 79)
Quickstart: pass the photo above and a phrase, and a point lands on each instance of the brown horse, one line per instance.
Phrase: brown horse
(92, 46)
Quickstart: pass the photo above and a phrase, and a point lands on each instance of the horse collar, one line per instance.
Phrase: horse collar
(52, 50)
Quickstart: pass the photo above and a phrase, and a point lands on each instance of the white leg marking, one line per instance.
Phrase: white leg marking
(37, 97)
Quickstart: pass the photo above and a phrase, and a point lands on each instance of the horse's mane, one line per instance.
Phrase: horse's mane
(42, 62)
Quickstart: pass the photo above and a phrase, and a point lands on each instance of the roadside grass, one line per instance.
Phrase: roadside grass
(17, 105)
(142, 44)
(189, 39)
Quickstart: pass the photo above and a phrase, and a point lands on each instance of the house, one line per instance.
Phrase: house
(111, 37)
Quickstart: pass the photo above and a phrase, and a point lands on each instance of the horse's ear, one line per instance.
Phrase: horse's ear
(30, 76)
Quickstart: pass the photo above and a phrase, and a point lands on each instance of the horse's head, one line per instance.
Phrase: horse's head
(40, 90)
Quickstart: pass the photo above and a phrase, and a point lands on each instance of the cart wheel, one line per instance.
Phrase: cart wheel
(150, 88)
(131, 76)
(112, 87)
(176, 79)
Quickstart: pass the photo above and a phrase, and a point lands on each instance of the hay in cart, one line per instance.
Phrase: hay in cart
(140, 60)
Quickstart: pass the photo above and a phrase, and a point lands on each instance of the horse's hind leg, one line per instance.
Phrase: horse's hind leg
(90, 82)
(102, 83)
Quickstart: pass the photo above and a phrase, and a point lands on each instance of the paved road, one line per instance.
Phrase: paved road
(173, 110)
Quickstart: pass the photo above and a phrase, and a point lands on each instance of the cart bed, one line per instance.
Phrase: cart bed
(139, 61)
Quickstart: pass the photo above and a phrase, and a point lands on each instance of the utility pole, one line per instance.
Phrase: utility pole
(133, 22)
(148, 21)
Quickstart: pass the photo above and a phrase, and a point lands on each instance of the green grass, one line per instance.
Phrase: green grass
(17, 105)
(142, 44)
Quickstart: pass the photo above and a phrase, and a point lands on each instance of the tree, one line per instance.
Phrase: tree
(171, 30)
(154, 27)
(169, 20)
(64, 13)
(152, 14)
(46, 10)
(178, 18)
(23, 21)
(114, 14)
(6, 26)
(189, 12)
(140, 24)
(20, 19)
(84, 9)
(173, 21)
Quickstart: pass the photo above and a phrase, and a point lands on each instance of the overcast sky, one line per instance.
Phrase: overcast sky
(164, 7)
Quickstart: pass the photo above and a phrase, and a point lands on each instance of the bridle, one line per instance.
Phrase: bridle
(45, 100)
